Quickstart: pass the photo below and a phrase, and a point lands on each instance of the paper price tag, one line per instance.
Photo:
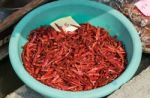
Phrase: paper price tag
(144, 6)
(67, 24)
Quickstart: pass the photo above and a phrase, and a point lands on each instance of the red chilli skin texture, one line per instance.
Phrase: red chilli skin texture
(85, 59)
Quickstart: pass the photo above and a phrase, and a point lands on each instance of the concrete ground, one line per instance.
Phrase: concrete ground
(138, 87)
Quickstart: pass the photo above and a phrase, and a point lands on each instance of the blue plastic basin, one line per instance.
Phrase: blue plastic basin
(89, 11)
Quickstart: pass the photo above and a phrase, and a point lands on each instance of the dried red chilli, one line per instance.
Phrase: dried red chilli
(81, 60)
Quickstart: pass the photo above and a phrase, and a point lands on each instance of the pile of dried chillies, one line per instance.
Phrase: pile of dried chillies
(81, 60)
